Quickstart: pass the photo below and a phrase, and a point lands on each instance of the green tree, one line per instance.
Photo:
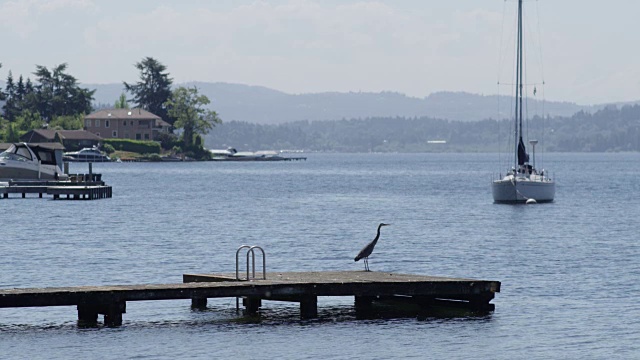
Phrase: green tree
(2, 95)
(122, 103)
(154, 88)
(67, 122)
(21, 91)
(58, 93)
(12, 133)
(10, 107)
(28, 120)
(187, 107)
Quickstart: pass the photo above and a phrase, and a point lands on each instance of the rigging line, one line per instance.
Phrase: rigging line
(502, 55)
(504, 9)
(526, 84)
(544, 122)
(539, 40)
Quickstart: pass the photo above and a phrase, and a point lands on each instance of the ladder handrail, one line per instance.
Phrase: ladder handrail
(251, 252)
(264, 260)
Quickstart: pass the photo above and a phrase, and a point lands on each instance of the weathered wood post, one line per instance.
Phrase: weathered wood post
(113, 313)
(87, 314)
(309, 307)
(198, 303)
(252, 304)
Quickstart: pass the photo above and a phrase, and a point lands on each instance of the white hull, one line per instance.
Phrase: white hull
(519, 190)
(19, 171)
(31, 162)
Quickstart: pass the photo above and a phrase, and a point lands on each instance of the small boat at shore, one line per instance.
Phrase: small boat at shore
(86, 155)
(232, 154)
(42, 161)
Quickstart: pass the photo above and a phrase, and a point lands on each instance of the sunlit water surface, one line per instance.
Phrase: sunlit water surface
(569, 270)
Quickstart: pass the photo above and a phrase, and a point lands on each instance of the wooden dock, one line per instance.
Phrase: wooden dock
(74, 189)
(301, 287)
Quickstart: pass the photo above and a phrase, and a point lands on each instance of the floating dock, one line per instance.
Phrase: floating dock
(79, 187)
(302, 287)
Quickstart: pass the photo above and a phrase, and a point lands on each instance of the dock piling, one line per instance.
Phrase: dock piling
(309, 307)
(198, 303)
(88, 313)
(252, 304)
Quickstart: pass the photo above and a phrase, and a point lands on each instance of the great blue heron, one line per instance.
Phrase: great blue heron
(367, 250)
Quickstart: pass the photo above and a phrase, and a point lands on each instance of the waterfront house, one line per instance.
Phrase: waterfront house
(136, 124)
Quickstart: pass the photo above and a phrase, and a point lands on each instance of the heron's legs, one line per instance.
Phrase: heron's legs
(366, 264)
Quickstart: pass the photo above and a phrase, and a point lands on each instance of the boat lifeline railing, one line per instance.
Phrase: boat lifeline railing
(251, 262)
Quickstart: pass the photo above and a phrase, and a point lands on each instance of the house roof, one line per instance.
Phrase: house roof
(64, 134)
(52, 146)
(160, 122)
(122, 114)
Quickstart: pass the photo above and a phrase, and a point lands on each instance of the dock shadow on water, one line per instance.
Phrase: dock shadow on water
(284, 315)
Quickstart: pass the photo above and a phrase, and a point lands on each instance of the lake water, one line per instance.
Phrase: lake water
(570, 270)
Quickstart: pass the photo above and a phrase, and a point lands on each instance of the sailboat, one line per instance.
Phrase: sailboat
(523, 183)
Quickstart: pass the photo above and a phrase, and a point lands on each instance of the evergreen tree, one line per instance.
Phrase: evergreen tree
(2, 96)
(58, 94)
(154, 88)
(11, 105)
(20, 91)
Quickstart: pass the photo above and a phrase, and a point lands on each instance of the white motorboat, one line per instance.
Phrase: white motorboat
(231, 154)
(86, 155)
(22, 161)
(523, 182)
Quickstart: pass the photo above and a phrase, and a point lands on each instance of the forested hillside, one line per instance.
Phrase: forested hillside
(610, 129)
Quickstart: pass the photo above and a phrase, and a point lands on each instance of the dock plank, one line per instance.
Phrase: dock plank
(303, 287)
(318, 283)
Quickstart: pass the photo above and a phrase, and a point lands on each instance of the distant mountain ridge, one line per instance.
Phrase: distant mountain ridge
(261, 105)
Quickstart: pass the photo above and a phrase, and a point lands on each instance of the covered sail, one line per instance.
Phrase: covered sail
(523, 157)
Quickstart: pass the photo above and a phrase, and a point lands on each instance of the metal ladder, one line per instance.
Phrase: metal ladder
(250, 275)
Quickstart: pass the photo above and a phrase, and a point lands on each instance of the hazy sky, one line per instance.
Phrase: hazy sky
(589, 51)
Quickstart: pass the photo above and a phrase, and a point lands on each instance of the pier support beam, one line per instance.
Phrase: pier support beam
(113, 314)
(199, 303)
(309, 307)
(252, 304)
(88, 313)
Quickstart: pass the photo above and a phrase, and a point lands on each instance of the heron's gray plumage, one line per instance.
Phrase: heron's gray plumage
(368, 249)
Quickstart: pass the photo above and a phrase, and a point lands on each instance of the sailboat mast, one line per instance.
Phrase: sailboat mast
(519, 81)
(520, 153)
